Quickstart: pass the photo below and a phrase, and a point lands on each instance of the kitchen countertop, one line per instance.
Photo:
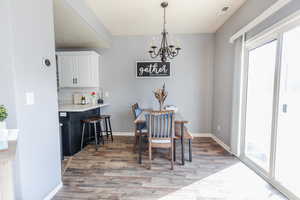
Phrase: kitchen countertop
(79, 108)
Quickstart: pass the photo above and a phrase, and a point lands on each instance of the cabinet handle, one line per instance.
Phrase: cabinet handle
(73, 80)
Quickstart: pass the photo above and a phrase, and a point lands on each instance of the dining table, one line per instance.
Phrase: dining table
(178, 119)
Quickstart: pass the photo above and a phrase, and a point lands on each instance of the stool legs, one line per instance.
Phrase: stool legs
(82, 135)
(96, 138)
(106, 127)
(101, 135)
(110, 130)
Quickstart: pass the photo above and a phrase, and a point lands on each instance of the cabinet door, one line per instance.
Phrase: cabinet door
(88, 71)
(66, 71)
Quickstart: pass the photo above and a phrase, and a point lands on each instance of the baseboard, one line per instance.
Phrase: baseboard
(132, 134)
(222, 144)
(123, 133)
(54, 191)
(210, 135)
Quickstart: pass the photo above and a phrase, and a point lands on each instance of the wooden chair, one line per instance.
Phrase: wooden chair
(160, 125)
(138, 129)
(186, 136)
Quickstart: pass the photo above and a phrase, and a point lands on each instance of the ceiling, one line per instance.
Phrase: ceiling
(144, 17)
(72, 30)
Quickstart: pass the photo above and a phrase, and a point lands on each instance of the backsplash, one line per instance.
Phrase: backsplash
(65, 95)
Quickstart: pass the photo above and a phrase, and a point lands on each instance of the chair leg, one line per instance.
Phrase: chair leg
(82, 135)
(135, 138)
(140, 149)
(96, 138)
(150, 155)
(174, 149)
(190, 150)
(172, 157)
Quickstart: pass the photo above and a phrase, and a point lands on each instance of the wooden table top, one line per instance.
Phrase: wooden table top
(178, 118)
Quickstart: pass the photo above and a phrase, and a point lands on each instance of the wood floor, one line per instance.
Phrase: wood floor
(113, 173)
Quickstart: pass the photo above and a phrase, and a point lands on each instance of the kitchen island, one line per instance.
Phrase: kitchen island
(70, 117)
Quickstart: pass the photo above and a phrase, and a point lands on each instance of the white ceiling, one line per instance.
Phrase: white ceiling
(143, 17)
(72, 31)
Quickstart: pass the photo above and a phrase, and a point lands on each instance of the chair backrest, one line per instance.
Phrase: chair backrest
(133, 108)
(160, 124)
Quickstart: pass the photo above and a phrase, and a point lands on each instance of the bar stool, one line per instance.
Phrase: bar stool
(108, 128)
(92, 121)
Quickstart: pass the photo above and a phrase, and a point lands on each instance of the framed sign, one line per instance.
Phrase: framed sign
(148, 69)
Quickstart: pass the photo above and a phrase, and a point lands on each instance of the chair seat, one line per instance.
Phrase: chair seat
(160, 141)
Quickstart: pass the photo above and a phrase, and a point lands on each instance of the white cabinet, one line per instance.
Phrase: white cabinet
(78, 69)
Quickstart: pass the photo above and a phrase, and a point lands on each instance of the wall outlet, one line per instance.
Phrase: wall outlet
(29, 98)
(106, 94)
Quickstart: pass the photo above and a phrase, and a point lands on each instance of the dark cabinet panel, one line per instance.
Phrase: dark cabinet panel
(72, 129)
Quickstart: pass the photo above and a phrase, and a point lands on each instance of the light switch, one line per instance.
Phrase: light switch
(106, 94)
(29, 98)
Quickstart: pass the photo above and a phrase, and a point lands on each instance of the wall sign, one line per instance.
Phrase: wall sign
(152, 69)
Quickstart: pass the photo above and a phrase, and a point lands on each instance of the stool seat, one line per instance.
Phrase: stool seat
(92, 120)
(105, 116)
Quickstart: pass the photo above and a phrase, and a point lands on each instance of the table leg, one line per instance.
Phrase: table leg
(140, 148)
(182, 143)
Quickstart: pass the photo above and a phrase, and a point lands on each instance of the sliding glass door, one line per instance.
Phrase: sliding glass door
(259, 110)
(288, 130)
(271, 108)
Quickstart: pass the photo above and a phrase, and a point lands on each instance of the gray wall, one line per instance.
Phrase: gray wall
(189, 87)
(224, 59)
(32, 38)
(7, 86)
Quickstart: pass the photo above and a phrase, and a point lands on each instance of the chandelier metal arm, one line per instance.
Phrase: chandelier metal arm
(165, 51)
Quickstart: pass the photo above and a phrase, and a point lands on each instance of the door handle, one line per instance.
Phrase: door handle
(284, 108)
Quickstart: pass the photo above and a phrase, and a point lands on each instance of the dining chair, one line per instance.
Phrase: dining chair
(160, 125)
(139, 127)
(186, 136)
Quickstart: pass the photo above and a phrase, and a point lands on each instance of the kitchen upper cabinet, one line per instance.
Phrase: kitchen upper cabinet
(78, 69)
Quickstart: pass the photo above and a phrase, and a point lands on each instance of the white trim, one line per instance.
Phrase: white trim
(123, 133)
(132, 134)
(277, 28)
(251, 165)
(210, 135)
(263, 16)
(221, 143)
(54, 191)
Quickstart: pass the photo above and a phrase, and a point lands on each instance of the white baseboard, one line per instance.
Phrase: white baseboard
(210, 135)
(54, 191)
(222, 144)
(123, 133)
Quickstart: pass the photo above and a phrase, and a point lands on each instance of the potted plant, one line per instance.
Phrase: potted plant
(3, 116)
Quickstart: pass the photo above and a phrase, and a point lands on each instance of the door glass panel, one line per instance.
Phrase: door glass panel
(288, 133)
(259, 110)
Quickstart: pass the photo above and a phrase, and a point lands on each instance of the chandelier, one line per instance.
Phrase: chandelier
(166, 50)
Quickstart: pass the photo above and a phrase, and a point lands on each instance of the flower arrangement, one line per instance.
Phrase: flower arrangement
(161, 95)
(94, 98)
(94, 94)
(3, 113)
